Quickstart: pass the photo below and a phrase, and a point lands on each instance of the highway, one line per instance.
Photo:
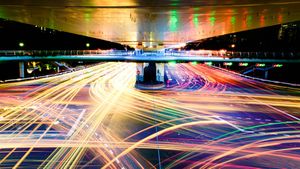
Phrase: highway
(96, 118)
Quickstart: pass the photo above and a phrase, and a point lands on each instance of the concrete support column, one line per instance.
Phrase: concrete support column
(266, 74)
(21, 69)
(150, 72)
(150, 75)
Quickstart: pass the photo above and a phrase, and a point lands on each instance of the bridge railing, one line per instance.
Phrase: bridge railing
(63, 52)
(204, 53)
(235, 54)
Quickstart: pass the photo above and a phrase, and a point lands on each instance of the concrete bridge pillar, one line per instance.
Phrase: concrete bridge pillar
(266, 74)
(150, 75)
(21, 69)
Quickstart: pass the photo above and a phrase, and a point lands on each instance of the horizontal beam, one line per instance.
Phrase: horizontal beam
(142, 58)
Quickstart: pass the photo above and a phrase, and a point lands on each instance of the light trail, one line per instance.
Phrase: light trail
(95, 117)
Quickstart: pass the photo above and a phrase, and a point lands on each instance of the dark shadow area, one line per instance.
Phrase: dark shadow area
(150, 81)
(150, 74)
(19, 36)
(9, 70)
(278, 38)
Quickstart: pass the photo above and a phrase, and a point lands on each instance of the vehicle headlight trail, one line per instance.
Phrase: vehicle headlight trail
(96, 118)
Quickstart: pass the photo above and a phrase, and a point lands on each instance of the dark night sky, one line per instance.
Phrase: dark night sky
(34, 37)
(281, 38)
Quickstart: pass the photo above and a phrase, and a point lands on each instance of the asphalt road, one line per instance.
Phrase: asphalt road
(95, 118)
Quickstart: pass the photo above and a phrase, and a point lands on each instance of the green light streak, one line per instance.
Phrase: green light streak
(233, 20)
(51, 20)
(249, 20)
(213, 13)
(174, 2)
(47, 67)
(196, 20)
(228, 63)
(253, 127)
(174, 21)
(260, 65)
(194, 63)
(259, 134)
(208, 63)
(212, 20)
(243, 64)
(2, 14)
(172, 63)
(278, 65)
(87, 17)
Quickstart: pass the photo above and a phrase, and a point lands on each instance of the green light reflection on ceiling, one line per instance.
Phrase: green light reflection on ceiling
(87, 17)
(196, 20)
(233, 20)
(249, 20)
(174, 21)
(212, 18)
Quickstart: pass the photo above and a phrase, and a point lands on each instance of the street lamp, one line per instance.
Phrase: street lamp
(21, 44)
(87, 45)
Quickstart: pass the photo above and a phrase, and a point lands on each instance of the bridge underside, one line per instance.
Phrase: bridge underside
(152, 23)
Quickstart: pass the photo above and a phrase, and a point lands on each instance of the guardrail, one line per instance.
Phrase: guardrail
(62, 52)
(233, 54)
(204, 53)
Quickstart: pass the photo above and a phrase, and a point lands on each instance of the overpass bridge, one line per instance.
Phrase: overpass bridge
(150, 56)
(263, 60)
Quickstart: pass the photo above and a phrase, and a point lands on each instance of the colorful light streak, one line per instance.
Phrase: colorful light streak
(96, 116)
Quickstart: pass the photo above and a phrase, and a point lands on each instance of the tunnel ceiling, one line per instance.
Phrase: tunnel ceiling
(151, 21)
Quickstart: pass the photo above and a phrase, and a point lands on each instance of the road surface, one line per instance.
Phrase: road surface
(95, 118)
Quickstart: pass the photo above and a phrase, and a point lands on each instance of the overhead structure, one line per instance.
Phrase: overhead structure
(151, 23)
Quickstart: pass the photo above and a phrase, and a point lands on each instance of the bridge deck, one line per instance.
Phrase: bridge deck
(144, 59)
(186, 56)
